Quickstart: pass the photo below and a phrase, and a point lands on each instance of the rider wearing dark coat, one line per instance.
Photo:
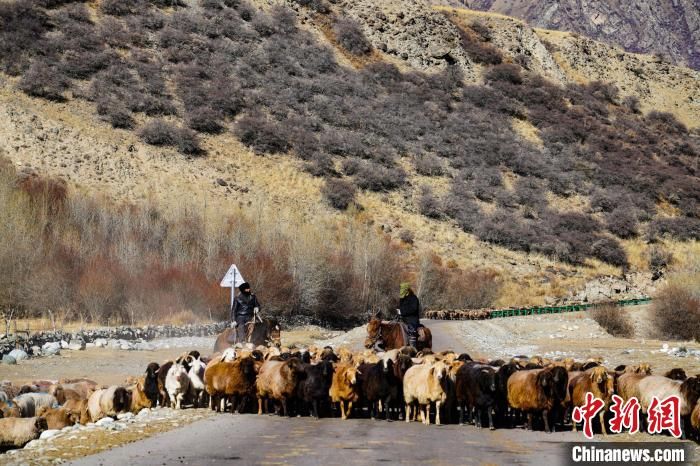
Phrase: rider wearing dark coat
(409, 310)
(243, 309)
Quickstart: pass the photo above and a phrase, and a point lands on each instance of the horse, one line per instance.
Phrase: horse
(392, 335)
(265, 333)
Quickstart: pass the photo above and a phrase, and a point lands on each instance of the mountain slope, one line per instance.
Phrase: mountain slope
(670, 28)
(456, 142)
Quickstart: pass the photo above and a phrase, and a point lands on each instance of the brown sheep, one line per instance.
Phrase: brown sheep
(344, 388)
(628, 385)
(695, 421)
(277, 380)
(538, 391)
(78, 409)
(17, 432)
(139, 399)
(9, 410)
(596, 380)
(230, 380)
(58, 418)
(63, 394)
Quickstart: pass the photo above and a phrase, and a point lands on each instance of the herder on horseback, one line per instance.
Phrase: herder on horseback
(244, 310)
(409, 312)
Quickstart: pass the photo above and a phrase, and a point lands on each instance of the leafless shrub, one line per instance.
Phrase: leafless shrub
(676, 309)
(614, 320)
(351, 38)
(43, 80)
(407, 236)
(339, 193)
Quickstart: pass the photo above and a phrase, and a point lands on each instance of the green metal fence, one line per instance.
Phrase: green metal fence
(527, 311)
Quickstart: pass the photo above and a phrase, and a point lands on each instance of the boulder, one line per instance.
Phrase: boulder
(19, 354)
(7, 359)
(77, 342)
(51, 348)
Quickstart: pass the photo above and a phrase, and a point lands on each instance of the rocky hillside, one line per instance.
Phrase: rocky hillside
(668, 28)
(468, 134)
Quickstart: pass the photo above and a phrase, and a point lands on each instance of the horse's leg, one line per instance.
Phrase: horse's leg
(342, 409)
(260, 406)
(437, 412)
(408, 412)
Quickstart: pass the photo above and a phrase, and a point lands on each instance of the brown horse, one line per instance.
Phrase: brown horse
(265, 333)
(391, 335)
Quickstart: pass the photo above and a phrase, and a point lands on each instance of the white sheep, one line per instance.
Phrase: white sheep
(424, 384)
(177, 383)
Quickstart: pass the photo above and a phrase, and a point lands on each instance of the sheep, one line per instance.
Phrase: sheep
(139, 398)
(695, 421)
(688, 391)
(9, 409)
(29, 403)
(177, 383)
(16, 432)
(676, 373)
(502, 407)
(422, 385)
(230, 380)
(344, 388)
(161, 374)
(314, 387)
(278, 380)
(379, 383)
(628, 385)
(596, 380)
(538, 391)
(108, 402)
(150, 383)
(57, 418)
(476, 388)
(73, 390)
(196, 376)
(79, 409)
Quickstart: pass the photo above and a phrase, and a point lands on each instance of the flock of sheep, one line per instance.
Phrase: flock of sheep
(396, 384)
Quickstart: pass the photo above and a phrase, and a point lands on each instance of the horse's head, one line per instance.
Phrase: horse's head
(374, 332)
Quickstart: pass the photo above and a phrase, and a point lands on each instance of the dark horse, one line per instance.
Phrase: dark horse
(390, 335)
(265, 333)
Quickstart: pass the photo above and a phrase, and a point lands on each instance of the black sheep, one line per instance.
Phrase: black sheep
(379, 382)
(150, 385)
(477, 391)
(315, 385)
(503, 411)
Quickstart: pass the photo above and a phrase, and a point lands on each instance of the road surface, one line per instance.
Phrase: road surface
(251, 439)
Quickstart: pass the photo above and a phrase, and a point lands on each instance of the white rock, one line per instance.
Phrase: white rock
(104, 421)
(125, 416)
(51, 348)
(34, 444)
(18, 354)
(64, 344)
(144, 412)
(100, 342)
(126, 346)
(75, 347)
(90, 345)
(48, 434)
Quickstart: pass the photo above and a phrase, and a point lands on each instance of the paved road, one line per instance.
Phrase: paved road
(445, 335)
(252, 439)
